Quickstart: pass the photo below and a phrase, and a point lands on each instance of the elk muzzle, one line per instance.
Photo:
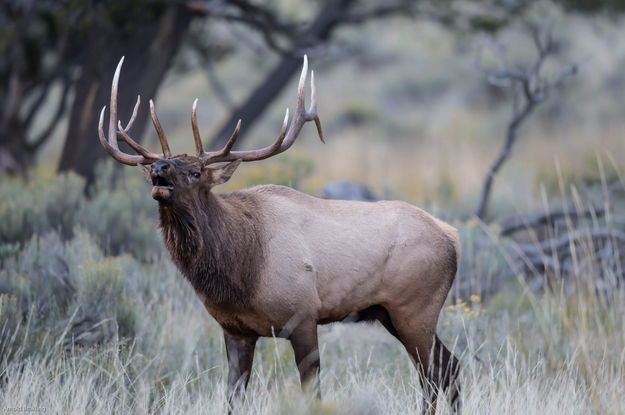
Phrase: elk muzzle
(161, 180)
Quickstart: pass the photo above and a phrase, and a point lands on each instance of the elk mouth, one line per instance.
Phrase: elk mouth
(162, 190)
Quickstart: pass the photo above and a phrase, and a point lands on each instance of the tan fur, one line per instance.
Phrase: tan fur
(327, 259)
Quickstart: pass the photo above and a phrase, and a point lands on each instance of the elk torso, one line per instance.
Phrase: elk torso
(260, 257)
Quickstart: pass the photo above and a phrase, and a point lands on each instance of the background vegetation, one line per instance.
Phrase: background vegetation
(94, 317)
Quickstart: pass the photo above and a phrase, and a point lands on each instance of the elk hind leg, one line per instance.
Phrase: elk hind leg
(446, 370)
(437, 366)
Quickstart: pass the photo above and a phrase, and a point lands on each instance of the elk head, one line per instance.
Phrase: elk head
(183, 177)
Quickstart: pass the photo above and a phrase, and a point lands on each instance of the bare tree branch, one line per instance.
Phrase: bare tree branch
(254, 16)
(530, 87)
(220, 90)
(244, 12)
(380, 11)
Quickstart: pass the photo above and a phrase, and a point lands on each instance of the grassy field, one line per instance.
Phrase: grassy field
(89, 328)
(520, 353)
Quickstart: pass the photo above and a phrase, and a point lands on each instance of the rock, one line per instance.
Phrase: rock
(346, 190)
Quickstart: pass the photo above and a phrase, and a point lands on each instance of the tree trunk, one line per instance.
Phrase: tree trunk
(258, 101)
(149, 41)
(15, 155)
(502, 157)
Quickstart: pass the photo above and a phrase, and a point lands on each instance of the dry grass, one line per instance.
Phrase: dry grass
(537, 355)
(558, 351)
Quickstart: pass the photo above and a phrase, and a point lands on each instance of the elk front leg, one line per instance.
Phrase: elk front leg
(306, 348)
(240, 353)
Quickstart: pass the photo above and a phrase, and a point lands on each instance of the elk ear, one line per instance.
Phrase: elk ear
(223, 173)
(146, 172)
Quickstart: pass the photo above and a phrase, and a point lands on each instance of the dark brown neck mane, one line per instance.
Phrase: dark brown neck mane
(216, 243)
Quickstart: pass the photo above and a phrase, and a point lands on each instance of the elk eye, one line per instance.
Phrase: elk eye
(196, 174)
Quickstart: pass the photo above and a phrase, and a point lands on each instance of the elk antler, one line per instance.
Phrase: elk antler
(145, 156)
(286, 137)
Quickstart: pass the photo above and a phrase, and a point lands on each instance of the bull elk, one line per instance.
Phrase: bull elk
(273, 261)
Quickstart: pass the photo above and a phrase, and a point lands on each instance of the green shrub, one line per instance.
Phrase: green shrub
(120, 213)
(482, 268)
(102, 303)
(120, 224)
(66, 290)
(38, 205)
(40, 276)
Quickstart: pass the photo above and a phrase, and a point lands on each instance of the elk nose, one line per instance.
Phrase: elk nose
(159, 168)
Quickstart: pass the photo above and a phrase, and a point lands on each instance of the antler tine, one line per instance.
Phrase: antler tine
(285, 123)
(301, 88)
(233, 138)
(312, 111)
(136, 146)
(159, 131)
(135, 110)
(224, 153)
(112, 136)
(286, 137)
(132, 143)
(110, 144)
(113, 150)
(271, 150)
(301, 116)
(196, 131)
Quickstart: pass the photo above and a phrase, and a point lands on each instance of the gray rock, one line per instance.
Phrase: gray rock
(346, 190)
